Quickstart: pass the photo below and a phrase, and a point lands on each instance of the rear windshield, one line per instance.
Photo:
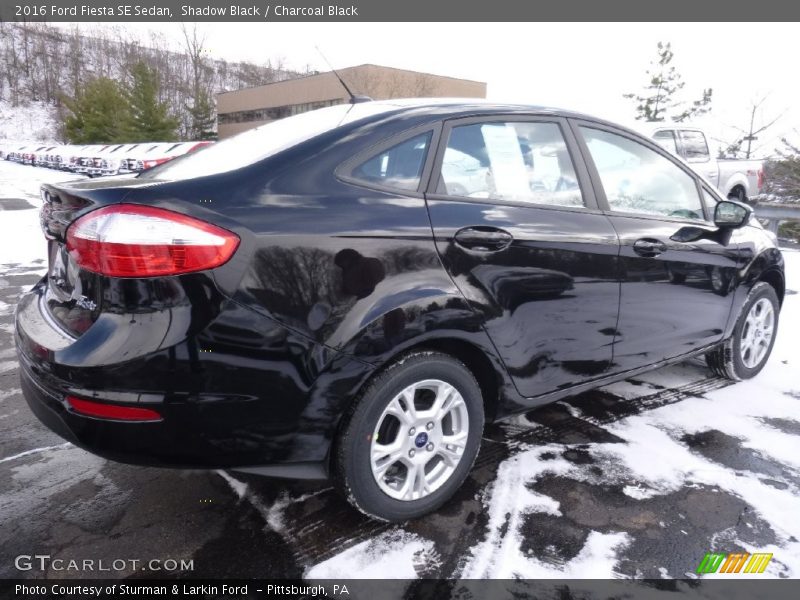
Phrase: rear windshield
(256, 144)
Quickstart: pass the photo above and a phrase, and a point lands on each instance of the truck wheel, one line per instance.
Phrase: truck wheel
(409, 441)
(745, 353)
(737, 194)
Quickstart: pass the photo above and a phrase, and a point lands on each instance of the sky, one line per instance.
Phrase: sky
(579, 66)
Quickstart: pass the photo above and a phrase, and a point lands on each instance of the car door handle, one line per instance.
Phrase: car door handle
(483, 239)
(649, 247)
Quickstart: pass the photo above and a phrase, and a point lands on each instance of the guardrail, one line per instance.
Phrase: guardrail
(773, 213)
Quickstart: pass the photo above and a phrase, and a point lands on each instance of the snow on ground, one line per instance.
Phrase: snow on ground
(21, 239)
(23, 181)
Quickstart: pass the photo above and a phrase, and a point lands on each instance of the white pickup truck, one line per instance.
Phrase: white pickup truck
(737, 179)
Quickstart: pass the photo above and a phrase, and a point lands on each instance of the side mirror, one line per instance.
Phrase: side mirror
(731, 215)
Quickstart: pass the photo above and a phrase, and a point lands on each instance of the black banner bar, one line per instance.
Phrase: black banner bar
(397, 10)
(423, 589)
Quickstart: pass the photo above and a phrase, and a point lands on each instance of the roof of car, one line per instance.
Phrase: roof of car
(468, 106)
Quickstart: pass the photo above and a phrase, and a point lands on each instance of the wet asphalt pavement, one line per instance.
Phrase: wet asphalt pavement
(58, 500)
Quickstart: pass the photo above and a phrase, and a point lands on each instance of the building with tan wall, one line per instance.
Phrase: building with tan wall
(240, 110)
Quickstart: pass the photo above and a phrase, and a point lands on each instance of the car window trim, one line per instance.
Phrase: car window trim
(584, 181)
(708, 189)
(344, 171)
(600, 192)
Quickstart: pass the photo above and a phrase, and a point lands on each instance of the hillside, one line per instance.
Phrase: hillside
(43, 64)
(25, 122)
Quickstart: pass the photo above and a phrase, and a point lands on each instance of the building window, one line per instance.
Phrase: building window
(274, 112)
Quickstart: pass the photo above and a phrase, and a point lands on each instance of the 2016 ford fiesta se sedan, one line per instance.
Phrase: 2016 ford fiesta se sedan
(351, 293)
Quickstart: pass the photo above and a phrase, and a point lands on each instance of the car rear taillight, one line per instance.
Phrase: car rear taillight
(116, 412)
(760, 179)
(130, 240)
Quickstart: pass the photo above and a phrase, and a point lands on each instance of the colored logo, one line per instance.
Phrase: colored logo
(735, 562)
(421, 439)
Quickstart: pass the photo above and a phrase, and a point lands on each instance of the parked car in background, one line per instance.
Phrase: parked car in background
(84, 162)
(76, 156)
(99, 159)
(60, 157)
(17, 155)
(114, 160)
(107, 160)
(46, 157)
(29, 155)
(53, 157)
(13, 152)
(152, 155)
(40, 157)
(737, 179)
(145, 154)
(342, 305)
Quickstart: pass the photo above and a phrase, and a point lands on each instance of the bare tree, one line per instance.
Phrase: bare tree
(742, 145)
(195, 47)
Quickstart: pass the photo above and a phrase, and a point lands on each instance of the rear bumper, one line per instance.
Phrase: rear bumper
(142, 443)
(214, 416)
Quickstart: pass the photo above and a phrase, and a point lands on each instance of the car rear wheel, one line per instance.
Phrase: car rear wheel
(410, 439)
(745, 353)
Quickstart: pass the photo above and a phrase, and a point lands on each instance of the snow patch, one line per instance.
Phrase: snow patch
(509, 501)
(35, 451)
(391, 554)
(238, 487)
(639, 492)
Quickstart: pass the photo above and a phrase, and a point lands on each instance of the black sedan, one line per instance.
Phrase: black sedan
(352, 292)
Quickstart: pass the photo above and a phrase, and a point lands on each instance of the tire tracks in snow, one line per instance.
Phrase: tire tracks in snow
(321, 525)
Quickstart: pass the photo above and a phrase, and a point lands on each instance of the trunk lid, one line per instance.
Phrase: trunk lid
(74, 296)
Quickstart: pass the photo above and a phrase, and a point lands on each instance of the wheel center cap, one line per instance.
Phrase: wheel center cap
(421, 439)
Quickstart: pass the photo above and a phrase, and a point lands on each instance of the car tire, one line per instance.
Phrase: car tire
(676, 278)
(745, 353)
(391, 487)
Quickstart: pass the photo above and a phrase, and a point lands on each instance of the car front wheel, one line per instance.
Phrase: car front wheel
(745, 353)
(410, 439)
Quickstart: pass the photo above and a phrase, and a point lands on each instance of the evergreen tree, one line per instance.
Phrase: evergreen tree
(783, 173)
(659, 98)
(202, 118)
(149, 119)
(783, 180)
(99, 113)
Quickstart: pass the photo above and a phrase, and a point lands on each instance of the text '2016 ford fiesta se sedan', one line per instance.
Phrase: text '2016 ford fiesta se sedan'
(352, 292)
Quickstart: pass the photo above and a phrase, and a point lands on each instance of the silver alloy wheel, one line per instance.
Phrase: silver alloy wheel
(419, 440)
(759, 327)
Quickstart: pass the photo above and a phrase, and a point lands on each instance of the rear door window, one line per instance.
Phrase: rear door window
(267, 140)
(397, 167)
